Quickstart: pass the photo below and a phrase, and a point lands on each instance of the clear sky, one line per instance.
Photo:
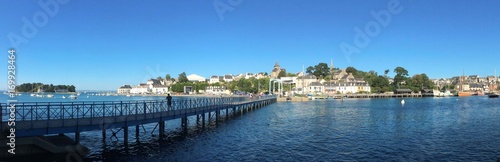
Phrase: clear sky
(101, 45)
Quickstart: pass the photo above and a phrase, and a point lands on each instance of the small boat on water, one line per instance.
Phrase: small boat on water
(73, 97)
(493, 95)
(32, 95)
(63, 96)
(464, 94)
(50, 95)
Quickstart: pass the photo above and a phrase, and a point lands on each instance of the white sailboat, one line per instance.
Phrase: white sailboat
(73, 97)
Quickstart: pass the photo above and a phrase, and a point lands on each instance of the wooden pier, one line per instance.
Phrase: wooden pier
(38, 119)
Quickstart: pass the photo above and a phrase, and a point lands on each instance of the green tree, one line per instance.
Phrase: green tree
(201, 86)
(310, 70)
(179, 87)
(351, 70)
(168, 77)
(282, 74)
(386, 72)
(183, 78)
(320, 70)
(291, 74)
(421, 81)
(401, 75)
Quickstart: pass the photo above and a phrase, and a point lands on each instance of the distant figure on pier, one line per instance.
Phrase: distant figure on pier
(169, 101)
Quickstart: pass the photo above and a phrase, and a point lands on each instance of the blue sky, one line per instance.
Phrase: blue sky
(100, 45)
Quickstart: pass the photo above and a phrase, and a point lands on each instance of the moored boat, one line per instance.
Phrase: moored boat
(73, 97)
(464, 94)
(493, 95)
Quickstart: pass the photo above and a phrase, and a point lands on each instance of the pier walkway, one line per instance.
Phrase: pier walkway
(44, 118)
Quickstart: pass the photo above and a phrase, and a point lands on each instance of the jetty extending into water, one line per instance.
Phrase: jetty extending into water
(35, 120)
(341, 96)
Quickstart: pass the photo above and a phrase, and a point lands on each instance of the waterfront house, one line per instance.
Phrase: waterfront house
(428, 92)
(141, 89)
(125, 89)
(329, 87)
(315, 88)
(464, 87)
(159, 89)
(362, 87)
(304, 81)
(216, 90)
(403, 91)
(476, 87)
(347, 87)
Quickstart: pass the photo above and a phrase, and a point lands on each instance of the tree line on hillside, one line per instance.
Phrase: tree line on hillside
(34, 87)
(378, 83)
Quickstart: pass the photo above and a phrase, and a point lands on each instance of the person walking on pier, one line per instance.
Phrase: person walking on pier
(169, 101)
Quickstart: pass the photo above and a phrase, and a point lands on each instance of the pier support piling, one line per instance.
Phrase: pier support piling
(137, 132)
(77, 136)
(217, 113)
(203, 120)
(184, 123)
(104, 135)
(197, 119)
(125, 135)
(162, 128)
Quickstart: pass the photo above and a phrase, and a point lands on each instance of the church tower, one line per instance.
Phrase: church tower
(276, 71)
(332, 71)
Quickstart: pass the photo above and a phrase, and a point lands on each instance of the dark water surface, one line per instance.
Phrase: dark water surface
(424, 129)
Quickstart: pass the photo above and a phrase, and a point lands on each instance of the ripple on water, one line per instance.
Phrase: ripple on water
(426, 129)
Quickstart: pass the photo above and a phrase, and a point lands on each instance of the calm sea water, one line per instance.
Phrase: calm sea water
(424, 129)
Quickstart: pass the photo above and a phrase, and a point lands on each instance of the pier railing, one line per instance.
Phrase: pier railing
(29, 112)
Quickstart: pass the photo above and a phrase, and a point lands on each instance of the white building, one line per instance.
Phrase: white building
(159, 89)
(125, 89)
(315, 88)
(302, 82)
(249, 75)
(215, 79)
(216, 90)
(196, 78)
(141, 89)
(352, 87)
(228, 78)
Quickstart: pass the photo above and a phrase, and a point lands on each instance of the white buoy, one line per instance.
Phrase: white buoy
(403, 101)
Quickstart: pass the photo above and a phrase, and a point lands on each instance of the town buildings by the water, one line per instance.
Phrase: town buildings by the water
(341, 82)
